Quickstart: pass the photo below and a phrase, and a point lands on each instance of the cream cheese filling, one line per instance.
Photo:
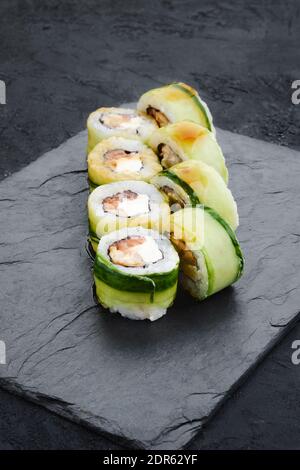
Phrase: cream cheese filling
(129, 121)
(149, 251)
(117, 120)
(126, 204)
(123, 161)
(135, 251)
(129, 164)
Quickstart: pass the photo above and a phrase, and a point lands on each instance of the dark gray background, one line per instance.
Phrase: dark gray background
(60, 61)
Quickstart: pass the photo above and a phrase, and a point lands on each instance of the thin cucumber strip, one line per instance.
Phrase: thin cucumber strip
(232, 236)
(197, 102)
(131, 283)
(194, 200)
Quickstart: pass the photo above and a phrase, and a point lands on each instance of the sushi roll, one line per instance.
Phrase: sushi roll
(121, 122)
(210, 255)
(136, 273)
(188, 141)
(120, 159)
(173, 103)
(125, 204)
(193, 183)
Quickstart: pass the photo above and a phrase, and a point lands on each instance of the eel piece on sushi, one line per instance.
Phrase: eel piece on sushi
(187, 140)
(210, 255)
(175, 102)
(193, 183)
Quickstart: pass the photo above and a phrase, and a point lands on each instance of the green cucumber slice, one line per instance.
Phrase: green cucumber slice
(107, 273)
(213, 244)
(197, 101)
(231, 235)
(194, 200)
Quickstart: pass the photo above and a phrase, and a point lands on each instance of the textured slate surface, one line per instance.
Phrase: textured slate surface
(240, 70)
(151, 384)
(69, 57)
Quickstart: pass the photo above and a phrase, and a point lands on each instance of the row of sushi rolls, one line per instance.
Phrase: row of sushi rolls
(159, 208)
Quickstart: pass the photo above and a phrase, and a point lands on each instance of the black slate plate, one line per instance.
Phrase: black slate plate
(150, 384)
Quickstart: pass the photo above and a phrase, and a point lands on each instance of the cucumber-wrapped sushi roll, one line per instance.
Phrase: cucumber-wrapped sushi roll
(122, 122)
(120, 159)
(136, 272)
(210, 255)
(173, 103)
(188, 141)
(193, 183)
(125, 204)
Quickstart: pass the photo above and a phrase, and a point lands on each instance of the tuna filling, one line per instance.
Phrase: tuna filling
(159, 117)
(126, 204)
(135, 251)
(167, 156)
(115, 120)
(120, 161)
